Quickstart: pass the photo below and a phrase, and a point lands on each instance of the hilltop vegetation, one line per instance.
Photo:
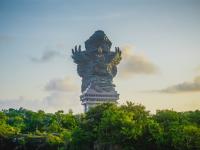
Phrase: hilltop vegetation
(105, 127)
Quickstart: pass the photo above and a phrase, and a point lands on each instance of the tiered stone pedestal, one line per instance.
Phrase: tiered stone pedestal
(91, 98)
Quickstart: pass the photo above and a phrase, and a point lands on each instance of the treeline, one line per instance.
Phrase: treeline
(105, 127)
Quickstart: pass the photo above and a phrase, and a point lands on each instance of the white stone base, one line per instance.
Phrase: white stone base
(91, 98)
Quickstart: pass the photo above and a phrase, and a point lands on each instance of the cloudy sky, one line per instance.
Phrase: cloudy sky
(160, 42)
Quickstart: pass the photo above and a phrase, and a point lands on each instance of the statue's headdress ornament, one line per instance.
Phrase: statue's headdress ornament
(98, 39)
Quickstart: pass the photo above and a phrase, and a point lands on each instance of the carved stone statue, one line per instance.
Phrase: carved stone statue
(97, 65)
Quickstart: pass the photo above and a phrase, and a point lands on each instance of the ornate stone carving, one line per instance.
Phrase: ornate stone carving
(97, 65)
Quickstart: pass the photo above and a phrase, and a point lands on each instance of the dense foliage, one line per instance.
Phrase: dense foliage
(105, 127)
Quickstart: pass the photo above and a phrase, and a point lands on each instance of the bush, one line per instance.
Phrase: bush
(107, 127)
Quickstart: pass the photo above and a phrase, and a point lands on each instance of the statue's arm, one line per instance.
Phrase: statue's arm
(116, 57)
(78, 56)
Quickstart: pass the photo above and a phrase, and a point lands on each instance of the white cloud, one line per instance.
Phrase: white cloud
(62, 101)
(21, 102)
(133, 64)
(63, 94)
(47, 56)
(62, 85)
(51, 103)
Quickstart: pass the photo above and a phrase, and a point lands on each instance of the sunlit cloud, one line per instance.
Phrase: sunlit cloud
(133, 63)
(63, 101)
(193, 86)
(62, 95)
(61, 85)
(198, 68)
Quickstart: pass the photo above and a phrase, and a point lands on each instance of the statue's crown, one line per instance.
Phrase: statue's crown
(98, 39)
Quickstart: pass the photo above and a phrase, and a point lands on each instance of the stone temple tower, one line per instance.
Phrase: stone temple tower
(97, 66)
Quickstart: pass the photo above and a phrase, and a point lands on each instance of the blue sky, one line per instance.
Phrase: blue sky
(158, 33)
